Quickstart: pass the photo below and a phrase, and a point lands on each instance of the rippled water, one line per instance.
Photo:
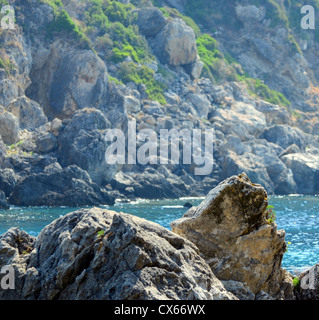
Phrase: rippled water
(297, 215)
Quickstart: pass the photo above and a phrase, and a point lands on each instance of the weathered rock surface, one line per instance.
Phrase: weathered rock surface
(82, 143)
(150, 184)
(9, 127)
(285, 136)
(176, 44)
(150, 21)
(231, 231)
(305, 169)
(66, 80)
(50, 77)
(98, 254)
(7, 181)
(28, 112)
(3, 202)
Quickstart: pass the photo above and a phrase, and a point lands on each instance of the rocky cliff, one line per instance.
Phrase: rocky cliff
(72, 70)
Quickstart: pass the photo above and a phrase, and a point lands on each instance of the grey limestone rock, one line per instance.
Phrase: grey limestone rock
(231, 230)
(96, 254)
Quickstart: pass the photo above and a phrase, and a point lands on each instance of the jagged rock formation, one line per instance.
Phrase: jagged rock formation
(231, 230)
(99, 254)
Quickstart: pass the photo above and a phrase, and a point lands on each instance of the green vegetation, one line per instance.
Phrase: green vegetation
(270, 214)
(14, 148)
(209, 54)
(101, 234)
(294, 45)
(167, 75)
(6, 65)
(116, 20)
(111, 26)
(287, 13)
(296, 282)
(293, 12)
(272, 96)
(130, 72)
(3, 3)
(63, 23)
(115, 80)
(200, 11)
(257, 88)
(275, 12)
(128, 42)
(173, 13)
(216, 66)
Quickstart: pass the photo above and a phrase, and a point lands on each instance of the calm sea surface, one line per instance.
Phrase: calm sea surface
(297, 215)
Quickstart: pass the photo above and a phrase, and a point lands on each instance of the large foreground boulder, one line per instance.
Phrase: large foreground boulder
(231, 230)
(99, 254)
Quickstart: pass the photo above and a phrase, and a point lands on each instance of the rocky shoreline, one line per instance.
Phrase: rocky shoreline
(52, 134)
(223, 249)
(70, 71)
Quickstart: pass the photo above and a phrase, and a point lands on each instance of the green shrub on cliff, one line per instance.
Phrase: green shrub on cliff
(130, 72)
(117, 11)
(296, 282)
(6, 64)
(270, 214)
(173, 13)
(257, 88)
(272, 96)
(63, 23)
(216, 67)
(118, 21)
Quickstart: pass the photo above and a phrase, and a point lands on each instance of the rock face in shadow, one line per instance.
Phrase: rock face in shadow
(70, 186)
(150, 21)
(67, 80)
(99, 254)
(305, 169)
(230, 229)
(3, 202)
(82, 143)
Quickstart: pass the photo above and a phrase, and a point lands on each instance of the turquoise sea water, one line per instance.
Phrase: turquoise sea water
(297, 215)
